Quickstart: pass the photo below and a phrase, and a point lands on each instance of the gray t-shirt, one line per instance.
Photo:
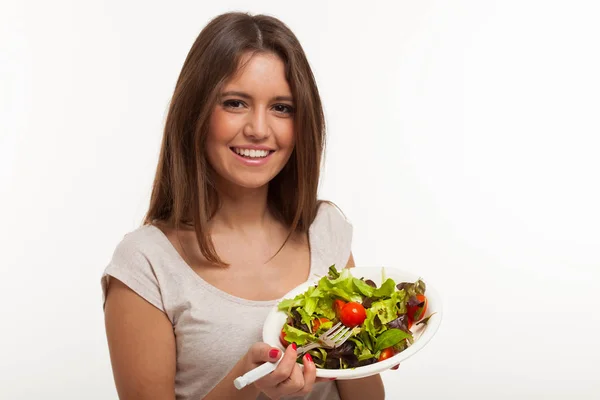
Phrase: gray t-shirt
(146, 261)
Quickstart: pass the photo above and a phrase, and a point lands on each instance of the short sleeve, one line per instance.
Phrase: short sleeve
(331, 237)
(131, 265)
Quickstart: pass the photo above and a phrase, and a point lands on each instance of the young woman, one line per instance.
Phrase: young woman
(233, 224)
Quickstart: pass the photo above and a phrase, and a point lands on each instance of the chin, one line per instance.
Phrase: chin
(250, 182)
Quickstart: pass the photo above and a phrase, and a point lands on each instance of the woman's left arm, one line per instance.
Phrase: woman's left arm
(365, 388)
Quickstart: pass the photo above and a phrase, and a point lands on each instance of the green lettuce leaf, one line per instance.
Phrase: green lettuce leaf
(364, 354)
(306, 318)
(386, 289)
(287, 304)
(325, 307)
(310, 305)
(359, 344)
(342, 287)
(323, 353)
(365, 337)
(386, 310)
(401, 346)
(333, 273)
(390, 338)
(297, 336)
(361, 350)
(362, 287)
(400, 298)
(370, 323)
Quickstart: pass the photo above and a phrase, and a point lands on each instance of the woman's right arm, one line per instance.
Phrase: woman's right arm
(141, 344)
(143, 355)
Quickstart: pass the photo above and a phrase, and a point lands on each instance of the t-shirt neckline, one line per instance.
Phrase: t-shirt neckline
(169, 248)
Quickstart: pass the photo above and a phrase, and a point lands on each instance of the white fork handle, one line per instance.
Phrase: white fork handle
(255, 374)
(265, 369)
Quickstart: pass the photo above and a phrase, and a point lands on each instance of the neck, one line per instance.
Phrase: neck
(241, 207)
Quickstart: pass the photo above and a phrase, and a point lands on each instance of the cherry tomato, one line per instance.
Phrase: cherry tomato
(284, 342)
(317, 323)
(386, 353)
(353, 314)
(337, 307)
(416, 313)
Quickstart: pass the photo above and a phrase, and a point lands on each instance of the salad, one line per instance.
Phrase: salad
(380, 317)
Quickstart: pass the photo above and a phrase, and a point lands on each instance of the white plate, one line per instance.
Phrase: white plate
(422, 333)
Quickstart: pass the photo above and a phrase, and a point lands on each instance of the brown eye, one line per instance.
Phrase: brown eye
(283, 108)
(233, 104)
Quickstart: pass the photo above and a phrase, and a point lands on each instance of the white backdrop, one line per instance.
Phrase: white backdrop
(463, 145)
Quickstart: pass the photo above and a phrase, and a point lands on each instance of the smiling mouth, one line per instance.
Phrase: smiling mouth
(251, 153)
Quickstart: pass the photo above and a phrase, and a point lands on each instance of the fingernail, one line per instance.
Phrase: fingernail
(332, 379)
(294, 346)
(309, 357)
(273, 353)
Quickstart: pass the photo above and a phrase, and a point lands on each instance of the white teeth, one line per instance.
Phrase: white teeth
(251, 153)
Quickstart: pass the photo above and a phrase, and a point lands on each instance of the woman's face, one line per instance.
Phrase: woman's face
(251, 134)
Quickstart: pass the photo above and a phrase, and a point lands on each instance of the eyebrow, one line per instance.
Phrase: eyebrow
(247, 96)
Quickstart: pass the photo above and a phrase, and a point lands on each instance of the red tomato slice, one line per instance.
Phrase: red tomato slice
(337, 307)
(386, 353)
(284, 342)
(416, 313)
(317, 323)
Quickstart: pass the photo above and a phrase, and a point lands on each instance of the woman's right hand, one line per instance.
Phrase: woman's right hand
(288, 379)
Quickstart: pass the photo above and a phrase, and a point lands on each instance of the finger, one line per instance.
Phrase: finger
(262, 352)
(284, 369)
(309, 374)
(294, 385)
(395, 367)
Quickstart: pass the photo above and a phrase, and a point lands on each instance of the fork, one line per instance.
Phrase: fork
(334, 337)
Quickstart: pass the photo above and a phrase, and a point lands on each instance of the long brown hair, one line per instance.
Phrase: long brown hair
(183, 192)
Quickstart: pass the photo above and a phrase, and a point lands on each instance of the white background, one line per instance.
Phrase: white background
(463, 145)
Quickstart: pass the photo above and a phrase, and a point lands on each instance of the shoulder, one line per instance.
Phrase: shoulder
(144, 246)
(132, 263)
(138, 241)
(330, 237)
(330, 216)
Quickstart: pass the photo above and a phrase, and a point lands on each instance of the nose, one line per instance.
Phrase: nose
(257, 126)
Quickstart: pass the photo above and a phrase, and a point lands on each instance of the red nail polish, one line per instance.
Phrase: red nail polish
(309, 357)
(332, 379)
(294, 346)
(273, 353)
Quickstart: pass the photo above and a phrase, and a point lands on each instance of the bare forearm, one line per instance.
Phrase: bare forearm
(365, 388)
(226, 390)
